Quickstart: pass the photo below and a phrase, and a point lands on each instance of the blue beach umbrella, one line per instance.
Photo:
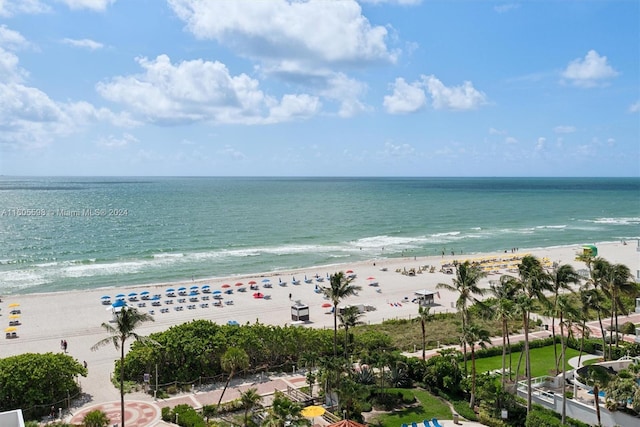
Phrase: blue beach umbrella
(106, 297)
(233, 323)
(133, 294)
(265, 280)
(193, 293)
(144, 293)
(119, 303)
(205, 286)
(217, 292)
(170, 290)
(155, 298)
(194, 287)
(120, 296)
(182, 288)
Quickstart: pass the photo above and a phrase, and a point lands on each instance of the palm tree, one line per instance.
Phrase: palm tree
(249, 400)
(331, 370)
(349, 318)
(126, 322)
(425, 317)
(233, 360)
(339, 288)
(590, 300)
(568, 312)
(95, 418)
(466, 283)
(475, 335)
(562, 277)
(504, 308)
(533, 282)
(310, 359)
(598, 378)
(616, 281)
(595, 280)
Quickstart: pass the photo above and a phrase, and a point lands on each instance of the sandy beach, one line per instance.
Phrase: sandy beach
(46, 319)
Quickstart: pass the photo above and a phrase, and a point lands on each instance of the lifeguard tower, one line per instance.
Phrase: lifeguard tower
(589, 251)
(300, 312)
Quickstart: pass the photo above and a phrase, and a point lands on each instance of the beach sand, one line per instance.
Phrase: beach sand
(76, 316)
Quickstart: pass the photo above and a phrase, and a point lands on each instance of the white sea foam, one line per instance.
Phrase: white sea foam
(616, 221)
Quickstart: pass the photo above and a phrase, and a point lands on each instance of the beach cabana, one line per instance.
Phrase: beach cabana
(299, 312)
(425, 296)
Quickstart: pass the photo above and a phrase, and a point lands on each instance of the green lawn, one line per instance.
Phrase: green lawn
(430, 407)
(542, 361)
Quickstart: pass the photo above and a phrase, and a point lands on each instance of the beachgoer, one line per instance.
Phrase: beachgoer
(84, 362)
(64, 345)
(289, 296)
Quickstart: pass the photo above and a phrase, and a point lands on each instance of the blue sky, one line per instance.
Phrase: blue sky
(320, 88)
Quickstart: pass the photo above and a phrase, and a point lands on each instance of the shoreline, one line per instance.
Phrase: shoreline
(76, 316)
(292, 271)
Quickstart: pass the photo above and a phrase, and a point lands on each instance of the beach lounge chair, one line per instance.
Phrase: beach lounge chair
(414, 424)
(426, 423)
(404, 425)
(435, 422)
(8, 335)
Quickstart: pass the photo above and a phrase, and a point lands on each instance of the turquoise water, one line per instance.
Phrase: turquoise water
(78, 233)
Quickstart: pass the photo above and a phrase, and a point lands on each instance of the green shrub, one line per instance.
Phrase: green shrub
(462, 408)
(541, 419)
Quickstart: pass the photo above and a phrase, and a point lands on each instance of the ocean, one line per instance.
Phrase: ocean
(59, 234)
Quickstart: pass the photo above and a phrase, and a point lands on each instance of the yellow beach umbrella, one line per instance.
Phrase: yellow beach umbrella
(14, 304)
(11, 329)
(14, 316)
(313, 411)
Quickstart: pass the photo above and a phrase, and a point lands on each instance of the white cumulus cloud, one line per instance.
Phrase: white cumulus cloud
(406, 98)
(463, 97)
(635, 107)
(278, 31)
(200, 91)
(590, 71)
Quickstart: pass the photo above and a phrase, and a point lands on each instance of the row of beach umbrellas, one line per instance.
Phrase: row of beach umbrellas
(194, 290)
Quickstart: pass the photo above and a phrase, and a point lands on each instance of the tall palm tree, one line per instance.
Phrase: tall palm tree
(568, 313)
(590, 300)
(596, 273)
(504, 308)
(475, 335)
(616, 281)
(233, 360)
(425, 317)
(349, 318)
(598, 378)
(310, 360)
(340, 287)
(562, 277)
(126, 322)
(534, 281)
(466, 284)
(249, 399)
